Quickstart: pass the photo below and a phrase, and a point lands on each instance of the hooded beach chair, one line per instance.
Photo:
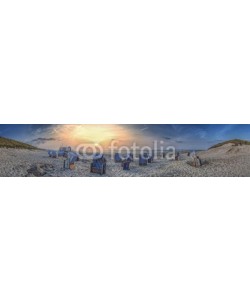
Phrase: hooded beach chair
(98, 164)
(73, 157)
(131, 156)
(143, 160)
(177, 156)
(60, 153)
(151, 157)
(69, 163)
(53, 154)
(63, 151)
(126, 162)
(118, 158)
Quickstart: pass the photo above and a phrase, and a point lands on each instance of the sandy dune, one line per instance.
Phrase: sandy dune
(227, 160)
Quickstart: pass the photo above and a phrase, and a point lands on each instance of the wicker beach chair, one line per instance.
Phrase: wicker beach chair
(143, 160)
(118, 158)
(98, 164)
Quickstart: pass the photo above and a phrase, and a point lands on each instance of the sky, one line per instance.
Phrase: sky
(181, 136)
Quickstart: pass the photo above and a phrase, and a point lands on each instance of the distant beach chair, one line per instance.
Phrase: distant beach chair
(118, 158)
(63, 151)
(193, 154)
(125, 165)
(151, 157)
(53, 154)
(177, 156)
(72, 157)
(198, 161)
(126, 162)
(69, 163)
(143, 161)
(60, 153)
(148, 157)
(98, 164)
(131, 156)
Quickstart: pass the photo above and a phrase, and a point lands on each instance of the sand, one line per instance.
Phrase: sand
(227, 160)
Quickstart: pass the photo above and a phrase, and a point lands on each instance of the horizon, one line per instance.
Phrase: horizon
(181, 136)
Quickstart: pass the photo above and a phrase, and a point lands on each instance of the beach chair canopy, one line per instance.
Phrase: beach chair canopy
(98, 156)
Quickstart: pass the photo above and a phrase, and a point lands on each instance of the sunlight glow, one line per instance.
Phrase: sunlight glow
(95, 134)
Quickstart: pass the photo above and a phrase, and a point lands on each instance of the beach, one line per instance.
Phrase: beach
(225, 161)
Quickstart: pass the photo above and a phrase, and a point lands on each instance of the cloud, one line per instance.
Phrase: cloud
(43, 140)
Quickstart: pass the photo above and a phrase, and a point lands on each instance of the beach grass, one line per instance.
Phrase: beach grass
(235, 142)
(9, 143)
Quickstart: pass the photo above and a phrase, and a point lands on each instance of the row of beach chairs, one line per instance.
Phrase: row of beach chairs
(62, 152)
(71, 157)
(145, 159)
(99, 162)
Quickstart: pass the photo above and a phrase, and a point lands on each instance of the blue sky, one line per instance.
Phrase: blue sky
(196, 136)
